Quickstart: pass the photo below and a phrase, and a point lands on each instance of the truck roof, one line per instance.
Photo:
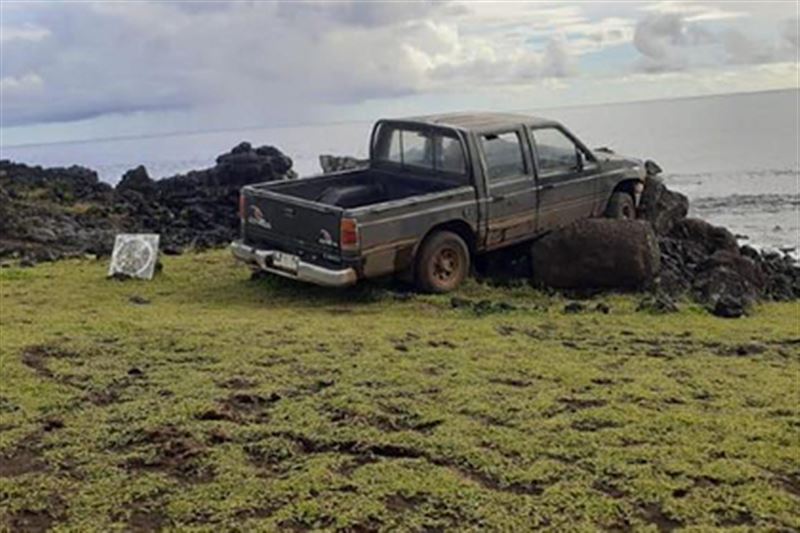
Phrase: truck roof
(481, 121)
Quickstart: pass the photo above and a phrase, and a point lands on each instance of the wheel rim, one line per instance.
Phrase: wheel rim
(446, 265)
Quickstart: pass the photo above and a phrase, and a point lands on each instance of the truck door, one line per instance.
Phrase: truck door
(567, 175)
(510, 186)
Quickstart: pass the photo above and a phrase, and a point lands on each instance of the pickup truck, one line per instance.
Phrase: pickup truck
(438, 190)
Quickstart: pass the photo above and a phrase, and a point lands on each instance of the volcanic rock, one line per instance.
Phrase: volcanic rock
(49, 213)
(597, 253)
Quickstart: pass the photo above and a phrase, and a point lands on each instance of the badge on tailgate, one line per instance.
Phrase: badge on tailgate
(257, 218)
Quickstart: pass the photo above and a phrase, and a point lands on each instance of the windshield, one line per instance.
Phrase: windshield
(420, 148)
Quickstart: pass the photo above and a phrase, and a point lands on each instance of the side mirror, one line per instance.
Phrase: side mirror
(579, 162)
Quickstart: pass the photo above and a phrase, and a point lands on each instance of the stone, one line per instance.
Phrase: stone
(597, 253)
(729, 307)
(574, 307)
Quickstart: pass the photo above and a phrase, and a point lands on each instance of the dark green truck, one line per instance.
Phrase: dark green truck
(438, 190)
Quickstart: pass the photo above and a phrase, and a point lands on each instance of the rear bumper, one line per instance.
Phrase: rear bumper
(307, 272)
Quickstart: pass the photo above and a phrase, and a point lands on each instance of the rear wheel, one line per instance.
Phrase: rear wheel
(442, 262)
(621, 206)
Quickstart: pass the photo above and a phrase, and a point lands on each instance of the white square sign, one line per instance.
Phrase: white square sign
(135, 255)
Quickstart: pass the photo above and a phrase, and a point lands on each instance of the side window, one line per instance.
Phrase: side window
(503, 153)
(556, 152)
(450, 155)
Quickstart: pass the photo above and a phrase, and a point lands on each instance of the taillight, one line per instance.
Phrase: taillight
(348, 234)
(241, 206)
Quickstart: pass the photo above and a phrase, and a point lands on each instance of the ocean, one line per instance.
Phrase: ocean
(736, 157)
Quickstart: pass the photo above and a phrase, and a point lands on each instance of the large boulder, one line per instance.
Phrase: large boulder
(138, 180)
(244, 165)
(662, 207)
(596, 253)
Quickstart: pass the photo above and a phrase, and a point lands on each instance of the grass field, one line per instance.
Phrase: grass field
(205, 400)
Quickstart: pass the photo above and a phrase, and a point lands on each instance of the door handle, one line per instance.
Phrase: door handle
(498, 198)
(548, 186)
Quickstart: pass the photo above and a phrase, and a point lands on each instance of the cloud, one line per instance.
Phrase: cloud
(661, 39)
(252, 62)
(26, 32)
(695, 11)
(256, 61)
(558, 61)
(672, 41)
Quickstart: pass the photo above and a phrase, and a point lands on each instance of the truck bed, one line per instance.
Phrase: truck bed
(302, 217)
(360, 188)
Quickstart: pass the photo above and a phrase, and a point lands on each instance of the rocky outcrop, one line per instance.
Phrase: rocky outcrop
(597, 253)
(705, 262)
(49, 213)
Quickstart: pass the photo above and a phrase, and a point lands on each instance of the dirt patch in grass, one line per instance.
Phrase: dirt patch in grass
(652, 513)
(593, 424)
(143, 520)
(399, 503)
(241, 407)
(20, 461)
(390, 421)
(36, 520)
(35, 357)
(789, 483)
(404, 423)
(174, 452)
(608, 489)
(735, 519)
(511, 382)
(394, 451)
(348, 467)
(573, 405)
(237, 382)
(25, 458)
(261, 512)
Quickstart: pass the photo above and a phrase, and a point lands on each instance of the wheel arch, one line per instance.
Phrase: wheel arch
(459, 227)
(632, 186)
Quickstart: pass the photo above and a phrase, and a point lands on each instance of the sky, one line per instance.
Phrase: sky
(84, 70)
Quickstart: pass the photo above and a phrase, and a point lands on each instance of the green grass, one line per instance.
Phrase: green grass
(226, 403)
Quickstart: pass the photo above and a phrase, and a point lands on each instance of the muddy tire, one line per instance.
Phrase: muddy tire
(442, 263)
(621, 206)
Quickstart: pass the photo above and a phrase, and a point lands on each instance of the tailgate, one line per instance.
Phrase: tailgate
(275, 220)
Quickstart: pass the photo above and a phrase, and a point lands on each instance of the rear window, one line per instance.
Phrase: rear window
(425, 149)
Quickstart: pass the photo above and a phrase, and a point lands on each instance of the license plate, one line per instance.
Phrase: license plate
(285, 262)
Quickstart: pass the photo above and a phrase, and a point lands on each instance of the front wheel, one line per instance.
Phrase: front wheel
(442, 262)
(621, 206)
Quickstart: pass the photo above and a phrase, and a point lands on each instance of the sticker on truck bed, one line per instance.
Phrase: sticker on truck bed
(257, 218)
(326, 239)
